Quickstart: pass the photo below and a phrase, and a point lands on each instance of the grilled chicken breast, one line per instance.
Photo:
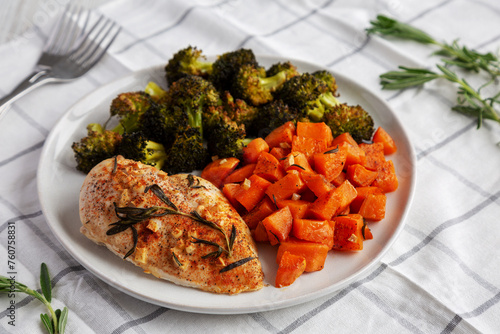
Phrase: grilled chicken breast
(193, 245)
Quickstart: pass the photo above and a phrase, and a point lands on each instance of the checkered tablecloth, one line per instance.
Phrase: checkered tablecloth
(442, 275)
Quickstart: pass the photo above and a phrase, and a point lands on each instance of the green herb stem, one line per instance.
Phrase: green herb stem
(56, 323)
(470, 101)
(456, 55)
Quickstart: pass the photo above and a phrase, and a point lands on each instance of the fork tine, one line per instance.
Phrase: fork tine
(66, 40)
(96, 56)
(93, 43)
(85, 37)
(57, 32)
(72, 32)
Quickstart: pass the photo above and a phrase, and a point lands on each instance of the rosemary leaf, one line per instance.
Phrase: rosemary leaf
(176, 259)
(236, 264)
(215, 254)
(135, 240)
(47, 323)
(196, 216)
(161, 195)
(51, 321)
(117, 229)
(45, 283)
(191, 182)
(384, 25)
(334, 150)
(299, 166)
(63, 319)
(232, 238)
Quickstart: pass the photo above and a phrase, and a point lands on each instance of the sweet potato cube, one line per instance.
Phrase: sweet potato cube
(339, 179)
(230, 190)
(318, 131)
(240, 174)
(346, 193)
(331, 162)
(309, 147)
(298, 208)
(313, 230)
(386, 178)
(280, 152)
(325, 206)
(268, 167)
(252, 191)
(315, 253)
(317, 183)
(296, 161)
(290, 268)
(374, 155)
(282, 134)
(278, 225)
(361, 193)
(381, 136)
(259, 212)
(373, 207)
(284, 188)
(348, 232)
(344, 138)
(217, 171)
(360, 176)
(252, 151)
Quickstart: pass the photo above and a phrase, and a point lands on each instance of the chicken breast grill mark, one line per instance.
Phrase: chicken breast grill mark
(169, 246)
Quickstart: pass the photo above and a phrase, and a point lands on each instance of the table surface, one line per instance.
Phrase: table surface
(442, 275)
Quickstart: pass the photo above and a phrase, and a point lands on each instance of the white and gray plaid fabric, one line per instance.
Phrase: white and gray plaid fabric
(442, 275)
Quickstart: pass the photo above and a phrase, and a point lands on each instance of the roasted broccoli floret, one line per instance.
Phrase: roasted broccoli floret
(227, 65)
(238, 110)
(328, 79)
(280, 67)
(136, 147)
(193, 94)
(187, 152)
(252, 85)
(188, 61)
(271, 116)
(162, 122)
(98, 145)
(353, 119)
(129, 107)
(307, 95)
(225, 138)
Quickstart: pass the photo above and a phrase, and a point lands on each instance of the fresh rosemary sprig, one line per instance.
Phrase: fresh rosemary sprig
(129, 216)
(470, 101)
(454, 54)
(55, 321)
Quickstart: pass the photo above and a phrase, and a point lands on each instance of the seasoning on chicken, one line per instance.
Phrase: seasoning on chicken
(179, 228)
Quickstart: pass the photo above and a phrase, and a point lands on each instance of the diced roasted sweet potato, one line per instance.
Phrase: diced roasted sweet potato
(290, 267)
(315, 253)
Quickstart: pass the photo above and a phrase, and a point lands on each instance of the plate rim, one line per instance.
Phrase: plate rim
(231, 310)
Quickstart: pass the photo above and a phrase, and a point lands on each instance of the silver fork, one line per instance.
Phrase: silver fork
(69, 53)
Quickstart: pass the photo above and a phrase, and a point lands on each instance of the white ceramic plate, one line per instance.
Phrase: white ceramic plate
(59, 185)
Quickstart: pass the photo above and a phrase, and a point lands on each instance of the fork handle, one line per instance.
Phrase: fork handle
(32, 81)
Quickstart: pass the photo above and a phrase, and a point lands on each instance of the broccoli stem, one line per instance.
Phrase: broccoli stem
(324, 101)
(329, 99)
(155, 91)
(195, 120)
(271, 83)
(204, 66)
